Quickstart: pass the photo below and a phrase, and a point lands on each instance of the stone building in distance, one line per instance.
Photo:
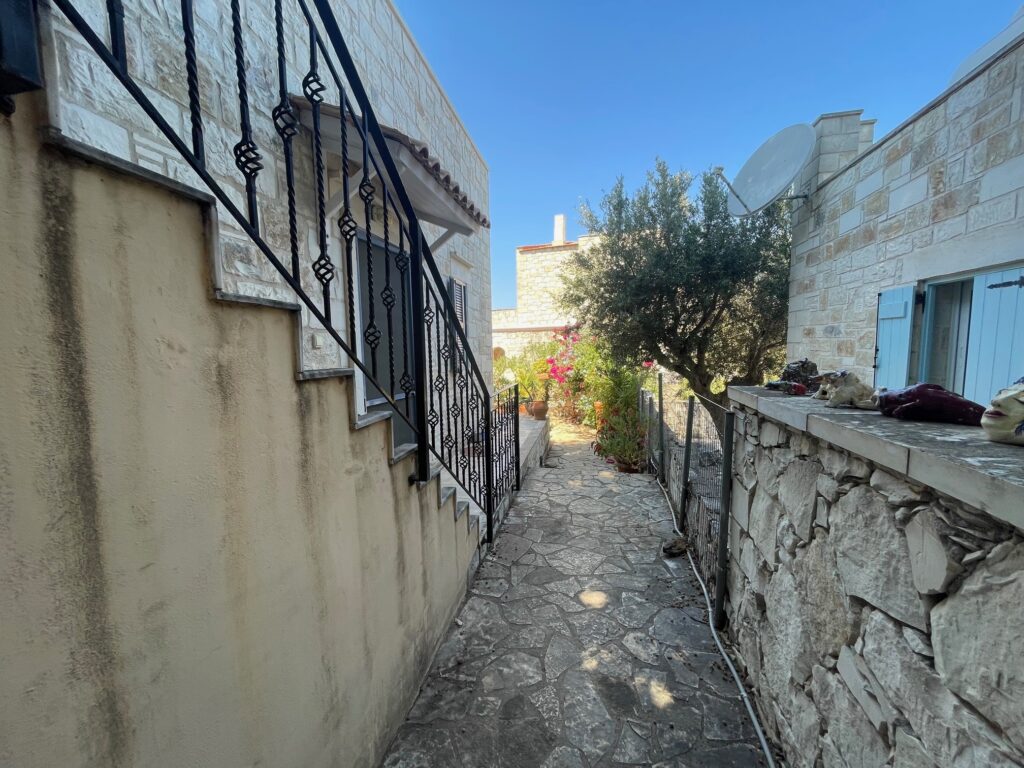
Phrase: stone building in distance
(537, 313)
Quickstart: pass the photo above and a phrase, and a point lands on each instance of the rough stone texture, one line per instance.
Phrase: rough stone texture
(896, 491)
(764, 521)
(833, 633)
(797, 489)
(598, 654)
(850, 736)
(949, 729)
(933, 562)
(976, 635)
(805, 631)
(873, 557)
(909, 752)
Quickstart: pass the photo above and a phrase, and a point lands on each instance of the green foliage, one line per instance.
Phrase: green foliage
(621, 427)
(684, 283)
(526, 368)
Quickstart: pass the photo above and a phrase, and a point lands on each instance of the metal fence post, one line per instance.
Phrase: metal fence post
(419, 357)
(687, 450)
(723, 520)
(489, 468)
(515, 408)
(661, 427)
(650, 419)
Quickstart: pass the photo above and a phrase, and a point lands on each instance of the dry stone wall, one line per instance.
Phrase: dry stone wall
(877, 621)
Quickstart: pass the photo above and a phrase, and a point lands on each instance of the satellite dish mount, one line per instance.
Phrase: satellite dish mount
(770, 171)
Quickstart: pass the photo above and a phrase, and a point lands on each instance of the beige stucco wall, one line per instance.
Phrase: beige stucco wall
(942, 194)
(200, 563)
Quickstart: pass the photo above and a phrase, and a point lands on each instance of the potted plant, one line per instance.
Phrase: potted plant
(540, 407)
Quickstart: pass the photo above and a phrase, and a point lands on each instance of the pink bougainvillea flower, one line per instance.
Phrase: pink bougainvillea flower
(648, 363)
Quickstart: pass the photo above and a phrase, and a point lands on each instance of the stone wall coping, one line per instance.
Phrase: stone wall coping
(954, 460)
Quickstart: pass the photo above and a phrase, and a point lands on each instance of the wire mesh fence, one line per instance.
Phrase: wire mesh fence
(692, 431)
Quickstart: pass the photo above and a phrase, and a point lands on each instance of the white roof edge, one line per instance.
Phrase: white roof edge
(1009, 34)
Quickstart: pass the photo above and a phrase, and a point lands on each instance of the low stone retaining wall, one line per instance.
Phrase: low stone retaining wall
(878, 619)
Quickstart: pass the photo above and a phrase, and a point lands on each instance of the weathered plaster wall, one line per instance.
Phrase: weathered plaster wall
(877, 620)
(941, 195)
(200, 562)
(87, 104)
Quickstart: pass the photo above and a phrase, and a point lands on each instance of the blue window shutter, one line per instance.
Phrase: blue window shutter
(892, 337)
(995, 347)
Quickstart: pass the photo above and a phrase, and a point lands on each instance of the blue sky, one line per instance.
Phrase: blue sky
(563, 96)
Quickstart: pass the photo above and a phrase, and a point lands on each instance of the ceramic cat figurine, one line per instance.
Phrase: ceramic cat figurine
(1003, 422)
(844, 388)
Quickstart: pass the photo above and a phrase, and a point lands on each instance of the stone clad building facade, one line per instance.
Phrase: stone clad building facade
(915, 219)
(88, 106)
(876, 565)
(537, 313)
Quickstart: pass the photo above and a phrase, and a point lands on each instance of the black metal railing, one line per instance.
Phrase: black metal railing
(701, 491)
(399, 327)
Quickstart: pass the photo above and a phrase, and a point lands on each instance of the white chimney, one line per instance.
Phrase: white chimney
(559, 229)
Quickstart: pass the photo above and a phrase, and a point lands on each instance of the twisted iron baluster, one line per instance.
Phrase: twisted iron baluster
(446, 355)
(247, 155)
(432, 417)
(402, 261)
(287, 126)
(441, 381)
(313, 89)
(372, 332)
(387, 297)
(458, 415)
(347, 224)
(474, 427)
(192, 77)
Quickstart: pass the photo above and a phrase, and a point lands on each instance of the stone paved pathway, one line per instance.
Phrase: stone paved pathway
(579, 646)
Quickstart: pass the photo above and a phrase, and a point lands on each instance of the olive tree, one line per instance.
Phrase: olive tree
(683, 282)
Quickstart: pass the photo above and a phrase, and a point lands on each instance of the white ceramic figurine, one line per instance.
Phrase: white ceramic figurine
(1003, 422)
(841, 388)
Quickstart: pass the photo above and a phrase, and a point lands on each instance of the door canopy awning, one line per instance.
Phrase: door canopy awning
(435, 195)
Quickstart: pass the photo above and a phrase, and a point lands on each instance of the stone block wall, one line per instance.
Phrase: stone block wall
(538, 312)
(942, 194)
(87, 104)
(877, 621)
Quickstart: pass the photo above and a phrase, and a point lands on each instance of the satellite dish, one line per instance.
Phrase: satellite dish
(1014, 30)
(771, 170)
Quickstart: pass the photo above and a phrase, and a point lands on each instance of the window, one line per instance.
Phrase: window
(971, 333)
(457, 290)
(944, 333)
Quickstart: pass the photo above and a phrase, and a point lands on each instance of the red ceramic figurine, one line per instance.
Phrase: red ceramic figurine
(929, 402)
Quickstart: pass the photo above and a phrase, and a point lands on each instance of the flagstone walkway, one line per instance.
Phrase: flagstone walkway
(579, 646)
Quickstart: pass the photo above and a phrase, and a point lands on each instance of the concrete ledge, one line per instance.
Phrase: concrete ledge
(955, 460)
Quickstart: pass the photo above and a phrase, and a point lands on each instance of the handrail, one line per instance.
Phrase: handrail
(448, 406)
(330, 23)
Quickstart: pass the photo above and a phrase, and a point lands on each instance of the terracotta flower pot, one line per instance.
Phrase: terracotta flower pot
(540, 410)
